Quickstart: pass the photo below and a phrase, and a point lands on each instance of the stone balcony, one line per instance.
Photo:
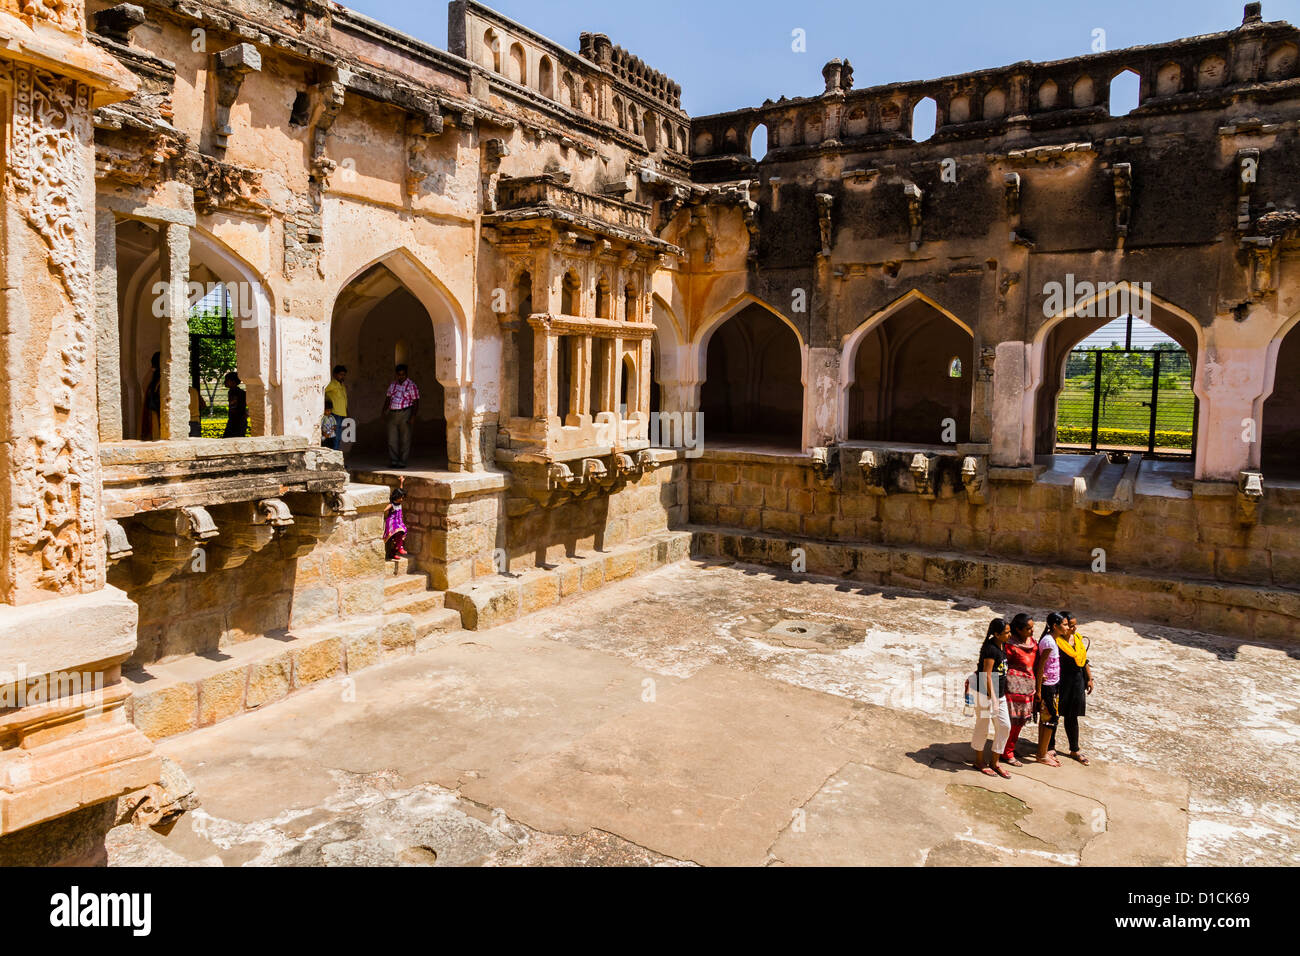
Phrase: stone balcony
(170, 503)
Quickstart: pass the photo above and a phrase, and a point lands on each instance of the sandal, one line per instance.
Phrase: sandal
(986, 770)
(1002, 773)
(1079, 757)
(1013, 761)
(1048, 761)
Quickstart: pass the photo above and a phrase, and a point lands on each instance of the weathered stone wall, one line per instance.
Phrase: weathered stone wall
(203, 612)
(1196, 537)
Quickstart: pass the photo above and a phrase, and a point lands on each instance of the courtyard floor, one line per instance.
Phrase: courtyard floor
(726, 714)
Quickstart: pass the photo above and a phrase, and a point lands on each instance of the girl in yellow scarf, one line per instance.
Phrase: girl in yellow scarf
(1076, 682)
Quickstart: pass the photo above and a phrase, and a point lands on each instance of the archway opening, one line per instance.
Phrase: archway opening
(628, 398)
(1280, 427)
(753, 390)
(569, 294)
(912, 379)
(223, 313)
(758, 141)
(1125, 92)
(925, 119)
(1118, 383)
(378, 321)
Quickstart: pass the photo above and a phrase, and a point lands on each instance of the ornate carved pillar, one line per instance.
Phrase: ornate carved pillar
(66, 746)
(108, 352)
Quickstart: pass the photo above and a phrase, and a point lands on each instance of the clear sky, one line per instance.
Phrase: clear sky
(727, 54)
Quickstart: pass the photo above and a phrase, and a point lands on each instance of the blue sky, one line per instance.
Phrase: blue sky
(728, 55)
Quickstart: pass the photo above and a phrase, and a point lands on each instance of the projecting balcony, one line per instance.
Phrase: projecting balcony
(228, 497)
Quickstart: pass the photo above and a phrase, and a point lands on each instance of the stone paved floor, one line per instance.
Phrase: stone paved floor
(721, 714)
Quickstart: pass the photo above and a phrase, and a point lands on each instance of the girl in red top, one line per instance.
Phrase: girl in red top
(1021, 651)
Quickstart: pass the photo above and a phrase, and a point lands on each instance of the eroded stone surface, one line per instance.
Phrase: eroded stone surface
(652, 722)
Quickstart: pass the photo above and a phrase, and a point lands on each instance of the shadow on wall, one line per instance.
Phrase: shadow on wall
(753, 378)
(1280, 427)
(912, 372)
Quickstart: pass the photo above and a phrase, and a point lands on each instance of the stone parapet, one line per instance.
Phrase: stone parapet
(1244, 611)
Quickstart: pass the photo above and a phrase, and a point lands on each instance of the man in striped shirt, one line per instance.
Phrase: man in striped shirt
(401, 405)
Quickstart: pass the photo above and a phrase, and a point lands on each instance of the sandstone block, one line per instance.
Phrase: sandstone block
(269, 680)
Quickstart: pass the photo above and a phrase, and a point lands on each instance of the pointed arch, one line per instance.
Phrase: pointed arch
(1162, 315)
(892, 345)
(449, 322)
(701, 344)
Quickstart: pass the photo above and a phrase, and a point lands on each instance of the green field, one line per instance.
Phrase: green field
(1125, 420)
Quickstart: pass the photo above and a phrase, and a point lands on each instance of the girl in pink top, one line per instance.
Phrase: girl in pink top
(394, 526)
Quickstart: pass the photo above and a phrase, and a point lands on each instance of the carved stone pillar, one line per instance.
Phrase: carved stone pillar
(108, 352)
(546, 395)
(62, 631)
(174, 259)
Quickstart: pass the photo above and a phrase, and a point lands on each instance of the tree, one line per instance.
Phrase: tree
(1118, 372)
(212, 349)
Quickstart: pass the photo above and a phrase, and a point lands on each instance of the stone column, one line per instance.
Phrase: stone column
(174, 260)
(546, 395)
(65, 754)
(108, 352)
(580, 376)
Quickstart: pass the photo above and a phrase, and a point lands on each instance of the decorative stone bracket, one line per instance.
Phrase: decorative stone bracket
(1247, 173)
(116, 545)
(165, 541)
(116, 23)
(975, 478)
(557, 482)
(875, 471)
(1122, 182)
(912, 193)
(825, 225)
(825, 464)
(233, 64)
(931, 475)
(1250, 492)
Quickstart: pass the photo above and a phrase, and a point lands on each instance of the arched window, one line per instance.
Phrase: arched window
(491, 53)
(1125, 89)
(602, 299)
(925, 116)
(758, 141)
(546, 77)
(954, 367)
(518, 64)
(570, 294)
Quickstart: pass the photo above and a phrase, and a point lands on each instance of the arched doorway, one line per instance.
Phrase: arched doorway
(912, 368)
(378, 322)
(753, 388)
(1280, 425)
(1118, 375)
(228, 310)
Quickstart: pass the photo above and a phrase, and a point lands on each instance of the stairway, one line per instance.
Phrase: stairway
(408, 592)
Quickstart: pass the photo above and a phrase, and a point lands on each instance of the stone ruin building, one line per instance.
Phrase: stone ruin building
(579, 275)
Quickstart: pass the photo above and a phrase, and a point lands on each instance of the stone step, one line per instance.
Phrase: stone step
(415, 603)
(488, 601)
(182, 695)
(404, 584)
(438, 623)
(399, 566)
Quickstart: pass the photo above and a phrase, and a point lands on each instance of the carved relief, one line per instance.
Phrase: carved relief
(47, 179)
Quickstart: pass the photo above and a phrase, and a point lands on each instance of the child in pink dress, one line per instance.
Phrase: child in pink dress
(394, 526)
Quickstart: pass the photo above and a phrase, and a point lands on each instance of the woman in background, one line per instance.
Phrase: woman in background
(236, 408)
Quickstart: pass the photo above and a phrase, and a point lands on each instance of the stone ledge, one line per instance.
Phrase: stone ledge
(488, 602)
(182, 695)
(444, 485)
(1235, 610)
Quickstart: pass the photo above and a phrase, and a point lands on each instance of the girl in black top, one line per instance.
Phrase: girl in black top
(991, 703)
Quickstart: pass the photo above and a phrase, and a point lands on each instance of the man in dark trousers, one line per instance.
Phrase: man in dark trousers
(401, 405)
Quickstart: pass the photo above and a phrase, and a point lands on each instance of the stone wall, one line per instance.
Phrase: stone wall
(200, 612)
(1196, 537)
